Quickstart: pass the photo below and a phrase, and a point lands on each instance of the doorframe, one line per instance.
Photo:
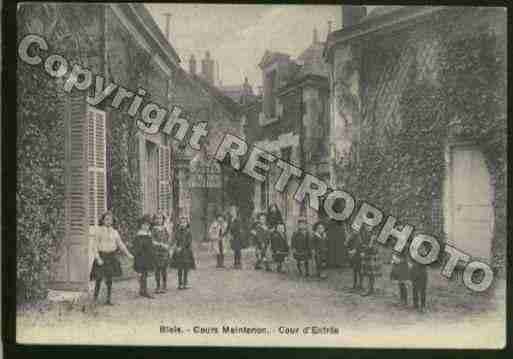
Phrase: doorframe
(448, 193)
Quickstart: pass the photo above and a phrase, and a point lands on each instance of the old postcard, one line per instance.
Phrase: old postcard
(261, 175)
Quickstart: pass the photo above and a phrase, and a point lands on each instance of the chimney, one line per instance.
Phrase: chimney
(315, 36)
(207, 68)
(192, 65)
(352, 14)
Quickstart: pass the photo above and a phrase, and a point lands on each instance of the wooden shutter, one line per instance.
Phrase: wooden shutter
(96, 164)
(164, 179)
(71, 270)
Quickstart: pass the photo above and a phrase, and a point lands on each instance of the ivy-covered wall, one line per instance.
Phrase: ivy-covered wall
(403, 93)
(40, 138)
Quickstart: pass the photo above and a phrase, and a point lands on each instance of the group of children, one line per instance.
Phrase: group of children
(270, 242)
(271, 246)
(154, 249)
(226, 231)
(363, 258)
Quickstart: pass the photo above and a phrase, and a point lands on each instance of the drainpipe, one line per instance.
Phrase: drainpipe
(302, 209)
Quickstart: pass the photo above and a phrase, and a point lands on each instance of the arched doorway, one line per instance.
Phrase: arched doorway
(469, 216)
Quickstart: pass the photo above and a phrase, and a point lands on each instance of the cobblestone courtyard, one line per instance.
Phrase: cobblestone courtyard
(252, 298)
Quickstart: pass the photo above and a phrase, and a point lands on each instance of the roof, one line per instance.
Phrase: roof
(143, 18)
(272, 56)
(235, 92)
(225, 100)
(381, 10)
(380, 19)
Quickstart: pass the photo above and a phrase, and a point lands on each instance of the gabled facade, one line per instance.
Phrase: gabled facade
(290, 120)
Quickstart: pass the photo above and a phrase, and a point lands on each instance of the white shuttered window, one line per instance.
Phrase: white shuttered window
(96, 159)
(164, 179)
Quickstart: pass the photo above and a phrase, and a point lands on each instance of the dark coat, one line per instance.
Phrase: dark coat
(320, 248)
(235, 229)
(337, 251)
(279, 246)
(418, 272)
(400, 270)
(274, 218)
(261, 237)
(183, 256)
(161, 235)
(354, 250)
(301, 245)
(144, 252)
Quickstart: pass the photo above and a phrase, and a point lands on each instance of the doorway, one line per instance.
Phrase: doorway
(470, 212)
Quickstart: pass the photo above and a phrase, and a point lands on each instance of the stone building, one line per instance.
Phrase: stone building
(290, 120)
(417, 123)
(104, 161)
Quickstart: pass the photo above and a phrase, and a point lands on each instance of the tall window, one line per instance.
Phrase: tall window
(164, 180)
(96, 159)
(152, 179)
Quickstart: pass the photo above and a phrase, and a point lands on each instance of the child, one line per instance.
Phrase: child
(235, 234)
(261, 237)
(301, 246)
(419, 278)
(354, 246)
(144, 255)
(400, 273)
(161, 243)
(319, 242)
(279, 246)
(216, 233)
(371, 267)
(106, 265)
(183, 256)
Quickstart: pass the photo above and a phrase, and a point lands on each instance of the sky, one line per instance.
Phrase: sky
(238, 35)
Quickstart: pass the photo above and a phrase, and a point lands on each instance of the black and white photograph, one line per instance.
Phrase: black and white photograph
(256, 175)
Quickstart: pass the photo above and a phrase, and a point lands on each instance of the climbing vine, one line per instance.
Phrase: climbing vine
(403, 173)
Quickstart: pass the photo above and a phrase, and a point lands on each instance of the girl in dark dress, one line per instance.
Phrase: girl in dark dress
(106, 265)
(161, 242)
(144, 255)
(279, 246)
(400, 273)
(183, 256)
(273, 217)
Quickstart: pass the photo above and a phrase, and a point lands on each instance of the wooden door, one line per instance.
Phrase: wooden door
(472, 215)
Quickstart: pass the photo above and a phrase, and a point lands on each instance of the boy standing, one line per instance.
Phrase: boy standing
(301, 246)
